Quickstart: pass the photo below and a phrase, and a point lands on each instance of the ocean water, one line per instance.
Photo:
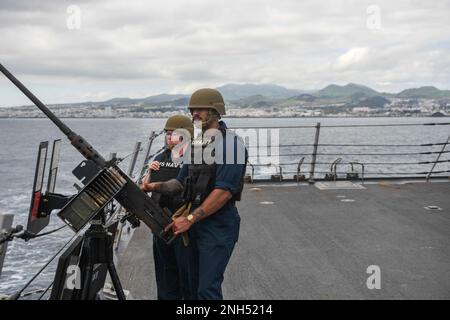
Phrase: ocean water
(20, 139)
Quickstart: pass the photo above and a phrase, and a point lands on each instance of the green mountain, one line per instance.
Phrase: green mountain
(254, 101)
(428, 92)
(304, 97)
(372, 102)
(233, 92)
(117, 101)
(161, 98)
(183, 101)
(157, 100)
(336, 91)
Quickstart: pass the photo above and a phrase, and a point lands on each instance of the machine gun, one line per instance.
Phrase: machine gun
(109, 183)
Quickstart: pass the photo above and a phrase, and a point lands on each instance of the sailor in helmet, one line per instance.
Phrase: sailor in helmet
(172, 270)
(210, 191)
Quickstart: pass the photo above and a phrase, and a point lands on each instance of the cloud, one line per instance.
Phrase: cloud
(148, 47)
(351, 58)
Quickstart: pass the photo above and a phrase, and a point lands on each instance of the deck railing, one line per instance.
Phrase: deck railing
(373, 164)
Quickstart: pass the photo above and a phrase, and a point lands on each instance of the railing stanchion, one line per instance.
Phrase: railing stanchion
(437, 159)
(6, 221)
(314, 154)
(152, 137)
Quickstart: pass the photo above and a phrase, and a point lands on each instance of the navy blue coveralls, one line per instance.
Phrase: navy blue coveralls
(216, 235)
(173, 262)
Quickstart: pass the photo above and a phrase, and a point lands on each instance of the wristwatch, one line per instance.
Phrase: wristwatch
(190, 218)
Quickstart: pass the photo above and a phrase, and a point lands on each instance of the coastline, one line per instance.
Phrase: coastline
(235, 117)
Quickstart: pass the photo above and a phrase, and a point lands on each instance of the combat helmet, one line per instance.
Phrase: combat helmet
(178, 122)
(210, 99)
(207, 98)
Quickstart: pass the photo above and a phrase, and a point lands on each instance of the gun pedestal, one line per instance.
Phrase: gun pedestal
(98, 249)
(82, 268)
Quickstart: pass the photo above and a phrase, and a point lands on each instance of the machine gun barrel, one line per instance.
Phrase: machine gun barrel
(131, 197)
(76, 140)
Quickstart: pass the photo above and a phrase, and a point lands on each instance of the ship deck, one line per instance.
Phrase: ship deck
(299, 241)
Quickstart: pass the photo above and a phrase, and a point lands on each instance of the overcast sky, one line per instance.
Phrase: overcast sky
(69, 51)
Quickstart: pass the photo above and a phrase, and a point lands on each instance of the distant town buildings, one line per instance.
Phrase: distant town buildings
(396, 108)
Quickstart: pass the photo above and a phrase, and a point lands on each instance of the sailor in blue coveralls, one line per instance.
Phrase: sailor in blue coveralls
(212, 189)
(172, 262)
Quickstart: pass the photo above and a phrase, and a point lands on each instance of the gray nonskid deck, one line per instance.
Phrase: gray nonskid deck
(299, 242)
